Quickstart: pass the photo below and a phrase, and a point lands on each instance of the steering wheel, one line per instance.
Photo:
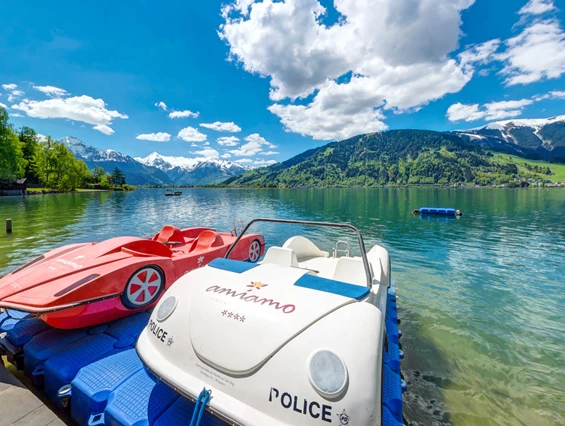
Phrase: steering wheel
(172, 243)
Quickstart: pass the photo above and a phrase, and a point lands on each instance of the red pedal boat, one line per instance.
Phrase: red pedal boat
(80, 285)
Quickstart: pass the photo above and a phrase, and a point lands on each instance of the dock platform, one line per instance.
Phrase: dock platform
(19, 406)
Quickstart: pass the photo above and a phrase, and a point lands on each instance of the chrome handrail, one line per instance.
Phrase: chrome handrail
(309, 223)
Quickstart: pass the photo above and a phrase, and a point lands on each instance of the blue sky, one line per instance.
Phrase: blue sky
(291, 75)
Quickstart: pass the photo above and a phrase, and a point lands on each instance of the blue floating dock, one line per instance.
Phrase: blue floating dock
(94, 384)
(109, 385)
(438, 211)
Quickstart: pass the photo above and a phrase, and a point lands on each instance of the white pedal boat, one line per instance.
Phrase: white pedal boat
(296, 339)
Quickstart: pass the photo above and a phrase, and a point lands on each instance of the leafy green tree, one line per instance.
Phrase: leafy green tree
(98, 173)
(29, 141)
(12, 162)
(105, 182)
(58, 168)
(118, 178)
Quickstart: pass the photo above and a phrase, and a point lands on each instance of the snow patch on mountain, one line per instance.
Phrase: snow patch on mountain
(90, 153)
(534, 123)
(167, 163)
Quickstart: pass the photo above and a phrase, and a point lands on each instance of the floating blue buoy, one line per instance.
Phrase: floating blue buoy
(403, 386)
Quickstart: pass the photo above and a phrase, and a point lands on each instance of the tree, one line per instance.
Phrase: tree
(12, 162)
(58, 168)
(118, 178)
(98, 173)
(29, 141)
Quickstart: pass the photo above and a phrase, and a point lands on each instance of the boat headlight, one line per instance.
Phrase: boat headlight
(167, 308)
(327, 373)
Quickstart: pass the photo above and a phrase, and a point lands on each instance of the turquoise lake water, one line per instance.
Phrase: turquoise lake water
(482, 297)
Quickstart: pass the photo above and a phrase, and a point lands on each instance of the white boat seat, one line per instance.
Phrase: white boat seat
(304, 248)
(281, 256)
(379, 258)
(350, 270)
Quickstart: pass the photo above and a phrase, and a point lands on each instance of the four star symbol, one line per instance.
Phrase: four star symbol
(233, 315)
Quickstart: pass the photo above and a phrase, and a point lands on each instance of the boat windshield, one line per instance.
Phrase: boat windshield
(337, 226)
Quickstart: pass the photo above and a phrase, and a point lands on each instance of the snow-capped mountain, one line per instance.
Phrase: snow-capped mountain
(537, 138)
(194, 171)
(89, 153)
(136, 173)
(155, 169)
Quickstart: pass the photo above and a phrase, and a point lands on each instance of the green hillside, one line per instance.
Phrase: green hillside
(398, 157)
(527, 166)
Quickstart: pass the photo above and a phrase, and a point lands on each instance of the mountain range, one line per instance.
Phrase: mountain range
(155, 169)
(193, 171)
(396, 157)
(532, 138)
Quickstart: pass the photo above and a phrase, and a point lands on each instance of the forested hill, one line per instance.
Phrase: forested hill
(397, 157)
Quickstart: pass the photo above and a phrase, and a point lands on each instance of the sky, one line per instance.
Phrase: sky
(261, 81)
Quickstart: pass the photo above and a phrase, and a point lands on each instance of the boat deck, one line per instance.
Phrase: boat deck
(20, 406)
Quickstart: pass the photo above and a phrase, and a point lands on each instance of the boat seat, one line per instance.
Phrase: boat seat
(281, 256)
(206, 240)
(304, 248)
(350, 270)
(169, 234)
(379, 259)
(340, 288)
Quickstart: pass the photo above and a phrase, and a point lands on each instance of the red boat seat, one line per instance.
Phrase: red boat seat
(206, 240)
(170, 234)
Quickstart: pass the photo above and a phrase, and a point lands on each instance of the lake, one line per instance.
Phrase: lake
(481, 297)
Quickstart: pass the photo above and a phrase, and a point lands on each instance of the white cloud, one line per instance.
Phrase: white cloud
(80, 108)
(155, 137)
(102, 128)
(506, 109)
(254, 146)
(222, 127)
(3, 106)
(208, 153)
(226, 155)
(479, 53)
(190, 134)
(51, 91)
(459, 111)
(556, 94)
(162, 105)
(259, 162)
(396, 52)
(14, 95)
(10, 86)
(269, 153)
(183, 114)
(490, 112)
(537, 7)
(244, 160)
(536, 54)
(228, 141)
(16, 115)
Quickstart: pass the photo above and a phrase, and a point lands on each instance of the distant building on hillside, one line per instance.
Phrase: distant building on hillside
(17, 187)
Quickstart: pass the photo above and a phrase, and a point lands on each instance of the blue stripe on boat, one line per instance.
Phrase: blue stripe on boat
(330, 286)
(231, 265)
